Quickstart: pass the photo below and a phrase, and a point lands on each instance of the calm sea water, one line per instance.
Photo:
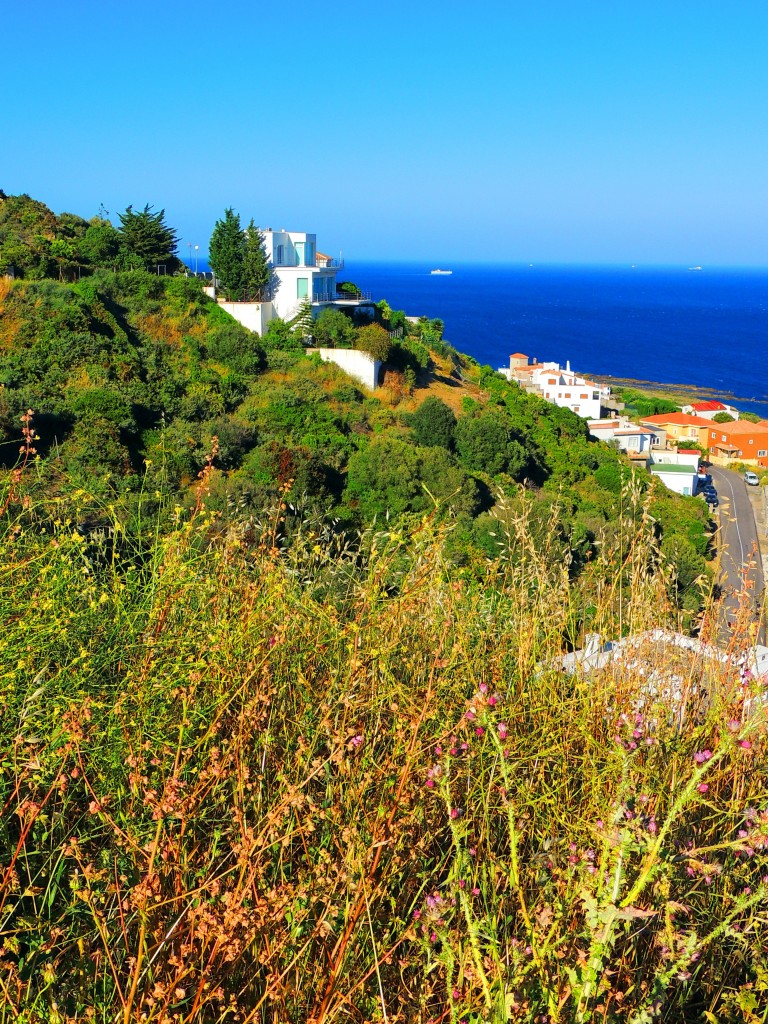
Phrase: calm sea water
(708, 328)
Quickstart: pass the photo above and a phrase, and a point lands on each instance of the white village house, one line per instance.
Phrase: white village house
(560, 386)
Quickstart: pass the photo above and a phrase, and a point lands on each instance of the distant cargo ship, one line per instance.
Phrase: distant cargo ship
(441, 271)
(694, 268)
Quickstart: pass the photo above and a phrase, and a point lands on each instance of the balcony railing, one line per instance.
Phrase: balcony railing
(344, 297)
(320, 265)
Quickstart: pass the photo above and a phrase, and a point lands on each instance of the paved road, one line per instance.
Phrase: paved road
(739, 552)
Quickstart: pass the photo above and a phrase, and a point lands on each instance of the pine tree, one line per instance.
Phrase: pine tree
(226, 254)
(257, 272)
(146, 236)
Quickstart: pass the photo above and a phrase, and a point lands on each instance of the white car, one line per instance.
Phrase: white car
(751, 478)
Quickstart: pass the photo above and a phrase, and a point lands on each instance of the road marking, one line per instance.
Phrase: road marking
(736, 519)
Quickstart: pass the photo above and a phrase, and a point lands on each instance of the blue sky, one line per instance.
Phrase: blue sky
(544, 131)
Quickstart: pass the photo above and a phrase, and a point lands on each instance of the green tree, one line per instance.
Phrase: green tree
(722, 417)
(374, 340)
(257, 271)
(226, 254)
(146, 235)
(333, 329)
(434, 424)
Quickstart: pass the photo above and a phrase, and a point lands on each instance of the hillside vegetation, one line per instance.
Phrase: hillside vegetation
(286, 735)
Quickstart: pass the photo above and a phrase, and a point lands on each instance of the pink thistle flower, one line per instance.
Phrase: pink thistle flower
(455, 812)
(703, 788)
(745, 744)
(357, 741)
(483, 687)
(479, 730)
(702, 756)
(734, 725)
(470, 715)
(456, 994)
(502, 730)
(430, 783)
(493, 700)
(475, 891)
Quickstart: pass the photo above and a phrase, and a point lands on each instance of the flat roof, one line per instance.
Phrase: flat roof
(669, 467)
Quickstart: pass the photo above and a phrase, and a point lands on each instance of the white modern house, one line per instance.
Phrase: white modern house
(300, 272)
(558, 385)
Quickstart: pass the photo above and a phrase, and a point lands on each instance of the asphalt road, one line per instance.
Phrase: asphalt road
(740, 561)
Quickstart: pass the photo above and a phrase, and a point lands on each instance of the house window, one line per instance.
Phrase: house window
(750, 441)
(723, 436)
(762, 452)
(280, 251)
(714, 435)
(551, 380)
(301, 287)
(583, 396)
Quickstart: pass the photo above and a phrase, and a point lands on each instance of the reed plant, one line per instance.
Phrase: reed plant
(328, 782)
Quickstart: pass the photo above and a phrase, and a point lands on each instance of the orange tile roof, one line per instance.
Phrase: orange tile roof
(680, 419)
(518, 355)
(742, 427)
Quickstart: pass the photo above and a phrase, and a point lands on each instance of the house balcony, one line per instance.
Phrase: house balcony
(343, 297)
(292, 264)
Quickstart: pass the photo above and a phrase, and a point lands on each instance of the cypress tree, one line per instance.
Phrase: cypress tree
(226, 252)
(257, 272)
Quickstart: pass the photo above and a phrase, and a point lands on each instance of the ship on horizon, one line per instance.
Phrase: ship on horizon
(438, 271)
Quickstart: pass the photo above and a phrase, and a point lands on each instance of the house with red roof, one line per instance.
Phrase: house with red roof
(708, 410)
(681, 427)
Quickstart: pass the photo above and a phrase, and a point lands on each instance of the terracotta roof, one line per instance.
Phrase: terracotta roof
(741, 427)
(518, 355)
(637, 430)
(680, 419)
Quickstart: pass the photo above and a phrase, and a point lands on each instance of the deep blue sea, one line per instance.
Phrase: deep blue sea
(677, 326)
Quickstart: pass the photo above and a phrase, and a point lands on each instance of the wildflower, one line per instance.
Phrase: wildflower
(430, 783)
(470, 715)
(493, 700)
(456, 994)
(702, 756)
(455, 812)
(502, 730)
(475, 891)
(745, 744)
(703, 788)
(357, 741)
(438, 751)
(483, 687)
(734, 725)
(479, 730)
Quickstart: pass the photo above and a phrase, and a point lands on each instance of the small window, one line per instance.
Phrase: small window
(583, 396)
(762, 452)
(713, 435)
(750, 441)
(301, 287)
(723, 436)
(551, 380)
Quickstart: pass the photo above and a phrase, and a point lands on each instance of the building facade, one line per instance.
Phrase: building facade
(560, 386)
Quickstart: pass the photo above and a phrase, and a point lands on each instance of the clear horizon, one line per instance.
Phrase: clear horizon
(555, 134)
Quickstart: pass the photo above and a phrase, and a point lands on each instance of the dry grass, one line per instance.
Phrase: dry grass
(332, 784)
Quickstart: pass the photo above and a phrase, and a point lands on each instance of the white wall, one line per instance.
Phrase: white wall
(253, 315)
(680, 483)
(359, 365)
